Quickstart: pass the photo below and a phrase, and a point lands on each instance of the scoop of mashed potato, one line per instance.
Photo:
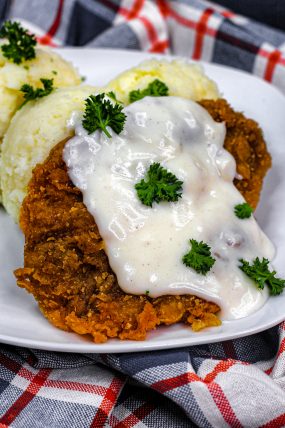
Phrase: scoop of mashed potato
(40, 125)
(34, 130)
(47, 64)
(184, 79)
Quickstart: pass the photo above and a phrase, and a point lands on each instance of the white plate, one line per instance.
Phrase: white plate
(21, 323)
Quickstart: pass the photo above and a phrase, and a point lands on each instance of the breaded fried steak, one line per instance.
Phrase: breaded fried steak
(67, 269)
(244, 140)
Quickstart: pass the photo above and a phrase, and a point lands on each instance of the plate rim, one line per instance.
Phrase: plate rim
(128, 346)
(134, 52)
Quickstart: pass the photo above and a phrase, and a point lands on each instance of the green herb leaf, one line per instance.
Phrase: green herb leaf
(159, 185)
(21, 46)
(243, 210)
(32, 94)
(100, 113)
(199, 257)
(259, 272)
(155, 89)
(113, 97)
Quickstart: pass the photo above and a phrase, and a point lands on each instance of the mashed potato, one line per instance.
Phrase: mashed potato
(184, 79)
(33, 131)
(40, 125)
(47, 64)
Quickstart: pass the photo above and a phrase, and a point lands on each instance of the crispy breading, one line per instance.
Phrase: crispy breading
(67, 270)
(66, 267)
(244, 140)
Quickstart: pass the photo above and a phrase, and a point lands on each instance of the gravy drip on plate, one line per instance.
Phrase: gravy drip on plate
(145, 245)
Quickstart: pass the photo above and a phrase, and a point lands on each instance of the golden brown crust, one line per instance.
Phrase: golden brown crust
(67, 270)
(244, 140)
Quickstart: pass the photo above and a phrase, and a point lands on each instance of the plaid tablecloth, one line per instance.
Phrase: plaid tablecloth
(239, 383)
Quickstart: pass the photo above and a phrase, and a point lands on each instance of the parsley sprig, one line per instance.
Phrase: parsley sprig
(243, 211)
(113, 97)
(155, 89)
(199, 257)
(100, 113)
(32, 94)
(21, 44)
(259, 272)
(158, 185)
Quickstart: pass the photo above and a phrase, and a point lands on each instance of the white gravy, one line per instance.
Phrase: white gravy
(145, 245)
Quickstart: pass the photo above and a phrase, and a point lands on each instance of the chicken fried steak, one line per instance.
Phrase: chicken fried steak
(244, 140)
(66, 267)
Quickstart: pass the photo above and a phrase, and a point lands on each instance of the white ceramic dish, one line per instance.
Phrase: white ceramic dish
(21, 322)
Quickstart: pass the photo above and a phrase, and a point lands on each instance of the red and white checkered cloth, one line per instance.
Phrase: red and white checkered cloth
(196, 29)
(239, 383)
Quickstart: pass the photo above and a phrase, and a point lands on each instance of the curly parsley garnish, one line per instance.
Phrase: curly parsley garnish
(100, 113)
(113, 97)
(199, 257)
(155, 89)
(259, 272)
(243, 210)
(159, 185)
(32, 94)
(21, 46)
